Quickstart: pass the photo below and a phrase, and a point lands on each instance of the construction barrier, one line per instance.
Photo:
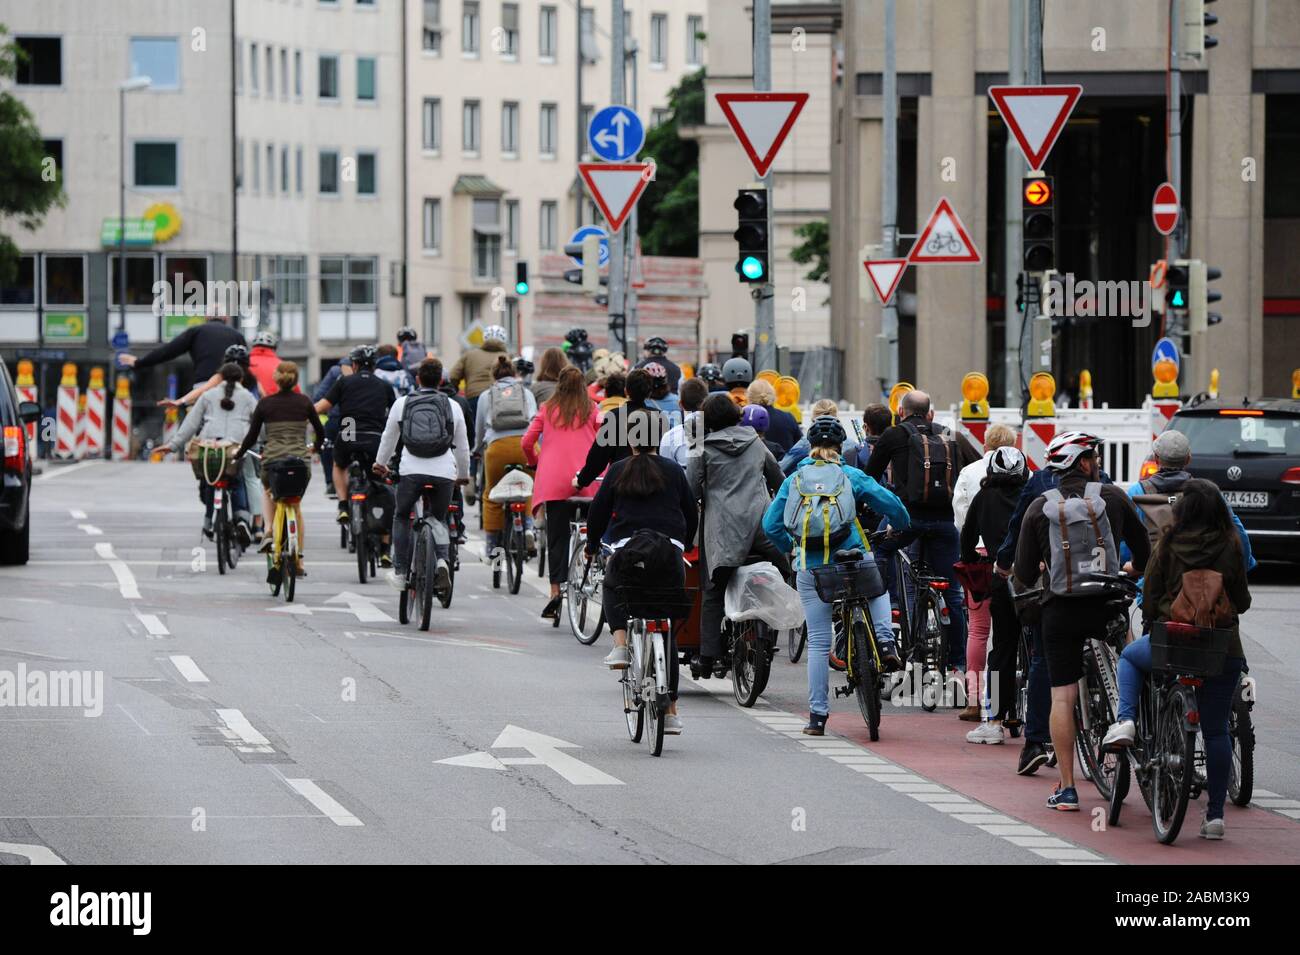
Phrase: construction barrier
(80, 434)
(1040, 420)
(65, 428)
(1085, 390)
(27, 392)
(121, 441)
(96, 401)
(973, 420)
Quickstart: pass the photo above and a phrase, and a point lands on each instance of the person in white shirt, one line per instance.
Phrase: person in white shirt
(676, 444)
(968, 481)
(443, 470)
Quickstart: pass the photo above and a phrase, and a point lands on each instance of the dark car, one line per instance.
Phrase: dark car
(15, 492)
(1251, 449)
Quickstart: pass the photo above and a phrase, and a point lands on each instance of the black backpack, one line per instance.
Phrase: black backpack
(427, 428)
(930, 467)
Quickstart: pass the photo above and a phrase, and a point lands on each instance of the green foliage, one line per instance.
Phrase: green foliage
(668, 213)
(816, 248)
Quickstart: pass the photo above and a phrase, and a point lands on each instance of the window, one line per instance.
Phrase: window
(257, 167)
(42, 61)
(65, 281)
(239, 165)
(585, 124)
(659, 116)
(297, 169)
(180, 271)
(363, 281)
(284, 73)
(432, 124)
(141, 271)
(510, 30)
(431, 227)
(469, 27)
(587, 23)
(694, 41)
(270, 71)
(157, 58)
(253, 70)
(367, 172)
(53, 149)
(331, 281)
(487, 240)
(471, 307)
(469, 132)
(550, 223)
(366, 79)
(239, 67)
(329, 172)
(433, 27)
(549, 131)
(510, 129)
(157, 165)
(284, 170)
(658, 39)
(432, 321)
(328, 77)
(270, 169)
(289, 278)
(365, 3)
(23, 291)
(297, 73)
(548, 33)
(512, 225)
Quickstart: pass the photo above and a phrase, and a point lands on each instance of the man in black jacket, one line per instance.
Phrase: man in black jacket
(205, 344)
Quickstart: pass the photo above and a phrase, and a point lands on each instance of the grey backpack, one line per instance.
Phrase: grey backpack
(1078, 533)
(506, 408)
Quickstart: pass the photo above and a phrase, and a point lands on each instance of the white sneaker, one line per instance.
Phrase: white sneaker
(396, 581)
(672, 724)
(619, 658)
(1210, 828)
(441, 576)
(1120, 734)
(986, 733)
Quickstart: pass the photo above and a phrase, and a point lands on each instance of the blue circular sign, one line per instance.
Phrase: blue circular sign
(615, 134)
(582, 233)
(120, 339)
(1165, 350)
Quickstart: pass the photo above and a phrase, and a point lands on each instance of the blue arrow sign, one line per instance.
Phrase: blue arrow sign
(615, 134)
(1165, 350)
(120, 339)
(582, 233)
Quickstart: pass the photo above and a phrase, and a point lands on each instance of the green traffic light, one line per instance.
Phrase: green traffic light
(1178, 301)
(751, 267)
(521, 288)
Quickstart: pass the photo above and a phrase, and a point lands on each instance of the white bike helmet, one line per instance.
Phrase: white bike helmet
(495, 333)
(266, 339)
(1007, 460)
(1065, 449)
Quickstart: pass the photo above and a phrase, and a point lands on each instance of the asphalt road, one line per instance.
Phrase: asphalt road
(233, 728)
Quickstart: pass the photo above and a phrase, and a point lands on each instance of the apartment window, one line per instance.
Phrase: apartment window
(548, 33)
(365, 3)
(433, 26)
(270, 71)
(284, 170)
(297, 170)
(549, 225)
(587, 24)
(510, 129)
(469, 126)
(239, 165)
(471, 306)
(65, 281)
(431, 227)
(512, 225)
(366, 79)
(433, 321)
(659, 116)
(363, 281)
(367, 173)
(510, 29)
(42, 62)
(549, 132)
(253, 69)
(297, 73)
(23, 289)
(694, 41)
(184, 269)
(332, 281)
(270, 169)
(584, 123)
(658, 39)
(328, 77)
(257, 167)
(239, 67)
(157, 58)
(157, 165)
(329, 172)
(469, 27)
(348, 283)
(288, 282)
(141, 272)
(487, 239)
(284, 73)
(431, 124)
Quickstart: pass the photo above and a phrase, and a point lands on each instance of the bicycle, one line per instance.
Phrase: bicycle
(215, 492)
(796, 640)
(645, 681)
(1241, 780)
(288, 479)
(927, 645)
(367, 524)
(416, 601)
(455, 529)
(582, 590)
(1098, 700)
(848, 585)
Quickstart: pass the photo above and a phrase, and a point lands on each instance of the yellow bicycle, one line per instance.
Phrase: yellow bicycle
(288, 479)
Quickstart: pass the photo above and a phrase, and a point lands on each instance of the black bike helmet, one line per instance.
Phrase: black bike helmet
(826, 432)
(710, 372)
(737, 371)
(407, 334)
(236, 353)
(656, 346)
(576, 335)
(364, 356)
(523, 367)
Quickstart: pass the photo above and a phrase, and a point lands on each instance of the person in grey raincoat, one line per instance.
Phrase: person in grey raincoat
(733, 476)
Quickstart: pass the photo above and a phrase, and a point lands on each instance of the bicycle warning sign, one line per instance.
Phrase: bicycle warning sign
(944, 239)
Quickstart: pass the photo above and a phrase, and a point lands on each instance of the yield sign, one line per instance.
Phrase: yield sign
(761, 121)
(1035, 115)
(885, 275)
(616, 186)
(1164, 208)
(944, 239)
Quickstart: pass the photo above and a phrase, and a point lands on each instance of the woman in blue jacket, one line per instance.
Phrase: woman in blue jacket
(826, 438)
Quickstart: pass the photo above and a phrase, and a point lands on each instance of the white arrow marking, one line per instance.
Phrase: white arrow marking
(548, 750)
(363, 607)
(125, 579)
(474, 761)
(35, 855)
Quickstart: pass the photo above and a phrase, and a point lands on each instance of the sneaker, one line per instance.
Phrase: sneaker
(385, 560)
(889, 658)
(1051, 758)
(330, 493)
(673, 727)
(552, 608)
(257, 533)
(396, 580)
(990, 733)
(1120, 735)
(706, 667)
(1065, 800)
(970, 714)
(816, 724)
(530, 538)
(618, 659)
(207, 528)
(1032, 757)
(267, 544)
(1210, 828)
(243, 534)
(344, 517)
(441, 576)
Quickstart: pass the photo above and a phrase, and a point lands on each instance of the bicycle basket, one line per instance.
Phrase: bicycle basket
(858, 580)
(211, 459)
(288, 477)
(1188, 650)
(656, 603)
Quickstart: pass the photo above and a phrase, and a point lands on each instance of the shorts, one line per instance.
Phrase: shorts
(1067, 623)
(364, 448)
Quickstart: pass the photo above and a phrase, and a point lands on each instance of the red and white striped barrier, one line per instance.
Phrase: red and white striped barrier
(121, 447)
(80, 440)
(1034, 439)
(65, 429)
(1162, 412)
(96, 400)
(26, 387)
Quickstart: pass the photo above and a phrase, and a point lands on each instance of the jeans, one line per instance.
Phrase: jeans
(1213, 700)
(818, 615)
(1040, 692)
(238, 498)
(940, 547)
(408, 492)
(1003, 647)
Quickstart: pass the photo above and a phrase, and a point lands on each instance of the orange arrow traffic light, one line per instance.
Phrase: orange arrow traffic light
(1038, 192)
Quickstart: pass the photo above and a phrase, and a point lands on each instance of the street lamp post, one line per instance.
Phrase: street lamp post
(126, 86)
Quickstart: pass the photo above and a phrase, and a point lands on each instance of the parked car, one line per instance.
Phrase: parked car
(1251, 449)
(15, 491)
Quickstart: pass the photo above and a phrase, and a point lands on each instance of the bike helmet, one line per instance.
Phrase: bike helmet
(737, 371)
(656, 346)
(1007, 460)
(266, 339)
(709, 372)
(1066, 447)
(236, 353)
(576, 335)
(655, 370)
(523, 367)
(826, 431)
(756, 417)
(364, 356)
(495, 333)
(407, 334)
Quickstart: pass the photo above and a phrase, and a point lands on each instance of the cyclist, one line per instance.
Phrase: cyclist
(611, 440)
(656, 350)
(205, 344)
(711, 375)
(826, 436)
(1067, 621)
(340, 368)
(611, 391)
(875, 419)
(578, 348)
(737, 373)
(678, 443)
(1201, 538)
(263, 361)
(500, 420)
(474, 368)
(662, 399)
(410, 352)
(822, 408)
(390, 370)
(221, 415)
(549, 367)
(756, 417)
(524, 371)
(426, 421)
(782, 427)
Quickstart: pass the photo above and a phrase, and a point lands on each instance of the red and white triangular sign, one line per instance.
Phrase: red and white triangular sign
(944, 239)
(616, 186)
(761, 121)
(885, 275)
(1035, 115)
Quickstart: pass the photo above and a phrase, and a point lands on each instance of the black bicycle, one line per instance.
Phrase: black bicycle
(849, 584)
(514, 541)
(455, 530)
(416, 602)
(1098, 700)
(370, 513)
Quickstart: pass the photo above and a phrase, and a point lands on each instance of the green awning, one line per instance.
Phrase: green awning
(480, 186)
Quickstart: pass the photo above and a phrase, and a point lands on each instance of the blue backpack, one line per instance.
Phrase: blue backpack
(821, 505)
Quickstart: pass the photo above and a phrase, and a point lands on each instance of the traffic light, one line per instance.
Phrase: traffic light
(521, 278)
(1020, 292)
(1200, 295)
(1194, 20)
(1038, 239)
(740, 345)
(752, 262)
(1177, 282)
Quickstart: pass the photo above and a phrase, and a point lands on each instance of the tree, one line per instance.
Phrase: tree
(815, 247)
(29, 182)
(669, 213)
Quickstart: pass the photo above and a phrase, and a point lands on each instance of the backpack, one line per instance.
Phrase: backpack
(427, 428)
(1201, 600)
(1157, 510)
(821, 505)
(1078, 533)
(506, 408)
(930, 467)
(412, 354)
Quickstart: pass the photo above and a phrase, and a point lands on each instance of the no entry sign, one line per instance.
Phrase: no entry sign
(1164, 208)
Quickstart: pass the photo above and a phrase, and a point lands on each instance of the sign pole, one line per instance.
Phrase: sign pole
(1013, 169)
(889, 193)
(1032, 362)
(121, 209)
(617, 311)
(764, 295)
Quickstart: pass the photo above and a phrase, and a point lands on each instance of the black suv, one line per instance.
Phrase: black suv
(1251, 449)
(15, 492)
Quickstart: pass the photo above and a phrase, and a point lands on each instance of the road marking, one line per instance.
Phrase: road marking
(238, 728)
(323, 801)
(490, 646)
(362, 607)
(151, 623)
(35, 855)
(545, 751)
(125, 579)
(55, 472)
(134, 720)
(91, 530)
(188, 669)
(77, 515)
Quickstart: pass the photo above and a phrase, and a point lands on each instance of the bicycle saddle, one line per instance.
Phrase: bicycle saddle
(849, 556)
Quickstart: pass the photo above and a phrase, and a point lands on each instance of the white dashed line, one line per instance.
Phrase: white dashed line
(239, 730)
(152, 624)
(188, 669)
(125, 579)
(327, 804)
(77, 515)
(91, 530)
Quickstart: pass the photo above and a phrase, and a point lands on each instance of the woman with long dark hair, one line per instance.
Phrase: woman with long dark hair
(549, 367)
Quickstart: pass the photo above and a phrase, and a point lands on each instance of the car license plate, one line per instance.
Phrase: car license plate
(1247, 500)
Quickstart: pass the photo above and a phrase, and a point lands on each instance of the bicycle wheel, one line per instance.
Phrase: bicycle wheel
(360, 537)
(220, 534)
(404, 604)
(498, 560)
(586, 615)
(289, 572)
(654, 707)
(426, 559)
(837, 658)
(749, 661)
(1171, 782)
(796, 640)
(931, 647)
(515, 560)
(444, 597)
(1241, 778)
(1121, 788)
(1094, 703)
(633, 707)
(865, 674)
(1024, 659)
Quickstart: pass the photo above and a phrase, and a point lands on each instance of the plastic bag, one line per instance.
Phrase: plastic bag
(513, 486)
(759, 592)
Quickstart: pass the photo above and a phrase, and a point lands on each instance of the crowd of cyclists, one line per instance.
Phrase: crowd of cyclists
(664, 460)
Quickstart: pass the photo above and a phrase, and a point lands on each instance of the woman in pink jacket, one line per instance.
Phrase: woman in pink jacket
(565, 426)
